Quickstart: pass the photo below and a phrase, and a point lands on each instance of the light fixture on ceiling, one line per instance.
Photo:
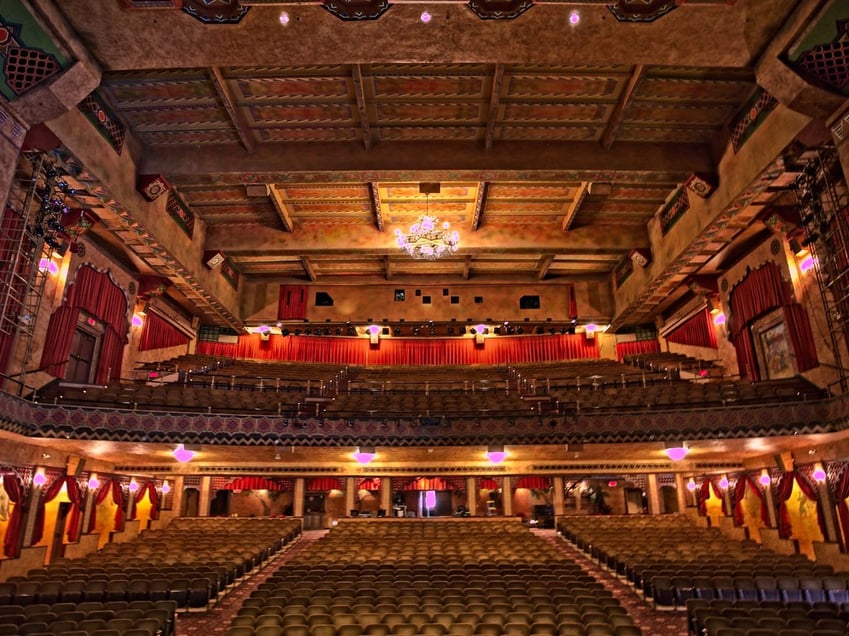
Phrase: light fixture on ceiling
(427, 239)
(676, 451)
(183, 454)
(365, 454)
(495, 453)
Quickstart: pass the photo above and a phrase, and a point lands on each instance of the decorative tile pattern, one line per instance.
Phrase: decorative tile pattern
(641, 10)
(216, 11)
(104, 120)
(356, 10)
(499, 9)
(750, 116)
(29, 55)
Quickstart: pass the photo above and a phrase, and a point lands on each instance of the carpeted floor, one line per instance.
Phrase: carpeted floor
(653, 623)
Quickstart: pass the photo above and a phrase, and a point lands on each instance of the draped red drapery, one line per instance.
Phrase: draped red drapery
(256, 483)
(840, 494)
(95, 293)
(158, 333)
(149, 488)
(704, 494)
(432, 483)
(534, 482)
(740, 492)
(113, 487)
(15, 491)
(406, 351)
(697, 331)
(292, 302)
(323, 484)
(636, 347)
(488, 483)
(782, 494)
(369, 483)
(50, 493)
(761, 291)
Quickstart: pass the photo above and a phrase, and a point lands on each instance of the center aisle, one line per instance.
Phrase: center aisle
(650, 620)
(217, 620)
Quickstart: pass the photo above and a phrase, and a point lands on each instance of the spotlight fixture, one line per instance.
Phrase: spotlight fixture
(365, 454)
(183, 454)
(495, 453)
(676, 451)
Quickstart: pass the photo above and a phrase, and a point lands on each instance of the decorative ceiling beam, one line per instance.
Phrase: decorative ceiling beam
(391, 160)
(387, 267)
(467, 267)
(621, 108)
(360, 93)
(376, 206)
(575, 205)
(308, 268)
(283, 209)
(236, 117)
(480, 202)
(494, 103)
(545, 265)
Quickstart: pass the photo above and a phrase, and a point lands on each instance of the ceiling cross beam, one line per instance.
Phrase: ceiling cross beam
(376, 205)
(494, 104)
(480, 203)
(575, 205)
(229, 101)
(306, 263)
(544, 266)
(360, 94)
(284, 211)
(622, 106)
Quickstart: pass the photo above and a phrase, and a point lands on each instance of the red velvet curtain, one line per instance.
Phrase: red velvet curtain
(761, 291)
(292, 302)
(113, 487)
(636, 348)
(149, 488)
(704, 494)
(95, 293)
(840, 494)
(697, 332)
(740, 493)
(14, 489)
(406, 351)
(783, 491)
(49, 494)
(534, 482)
(256, 483)
(323, 484)
(158, 333)
(801, 336)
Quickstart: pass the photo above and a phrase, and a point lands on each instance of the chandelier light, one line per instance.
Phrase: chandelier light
(428, 239)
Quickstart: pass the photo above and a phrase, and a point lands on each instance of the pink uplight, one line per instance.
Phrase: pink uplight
(677, 453)
(39, 479)
(723, 483)
(426, 17)
(165, 488)
(182, 455)
(719, 319)
(364, 455)
(819, 474)
(93, 483)
(765, 480)
(807, 264)
(496, 457)
(134, 486)
(574, 18)
(373, 330)
(137, 321)
(691, 485)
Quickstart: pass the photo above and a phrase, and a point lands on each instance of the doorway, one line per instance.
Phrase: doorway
(80, 368)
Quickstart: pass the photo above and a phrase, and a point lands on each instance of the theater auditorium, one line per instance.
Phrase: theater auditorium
(424, 317)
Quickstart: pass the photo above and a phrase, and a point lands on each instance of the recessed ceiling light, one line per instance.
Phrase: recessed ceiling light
(426, 17)
(284, 18)
(574, 18)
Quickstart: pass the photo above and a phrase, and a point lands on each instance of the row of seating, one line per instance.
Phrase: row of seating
(127, 619)
(708, 618)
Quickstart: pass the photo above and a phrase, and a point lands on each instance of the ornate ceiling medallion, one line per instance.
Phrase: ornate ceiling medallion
(354, 10)
(216, 11)
(641, 10)
(499, 9)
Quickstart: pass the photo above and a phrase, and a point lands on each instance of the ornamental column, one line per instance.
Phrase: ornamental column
(472, 496)
(298, 497)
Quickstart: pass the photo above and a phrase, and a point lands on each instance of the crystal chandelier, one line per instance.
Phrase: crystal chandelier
(427, 239)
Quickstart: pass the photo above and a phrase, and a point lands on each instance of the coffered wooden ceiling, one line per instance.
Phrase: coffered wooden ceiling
(554, 146)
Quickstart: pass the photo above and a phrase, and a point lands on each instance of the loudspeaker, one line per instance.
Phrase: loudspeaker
(213, 258)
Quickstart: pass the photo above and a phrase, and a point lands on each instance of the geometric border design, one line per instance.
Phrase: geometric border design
(104, 120)
(641, 10)
(357, 10)
(750, 116)
(215, 13)
(494, 10)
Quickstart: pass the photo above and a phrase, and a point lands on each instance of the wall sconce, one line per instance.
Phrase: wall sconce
(183, 454)
(807, 264)
(134, 485)
(691, 485)
(165, 488)
(495, 453)
(819, 474)
(138, 320)
(365, 454)
(765, 480)
(676, 451)
(723, 483)
(93, 483)
(373, 334)
(39, 479)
